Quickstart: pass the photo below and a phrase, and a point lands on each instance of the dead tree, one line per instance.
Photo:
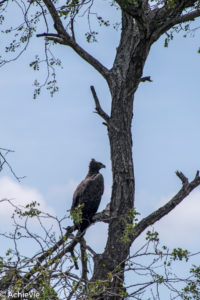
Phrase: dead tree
(142, 24)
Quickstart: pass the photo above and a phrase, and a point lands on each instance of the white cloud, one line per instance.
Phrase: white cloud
(18, 194)
(181, 226)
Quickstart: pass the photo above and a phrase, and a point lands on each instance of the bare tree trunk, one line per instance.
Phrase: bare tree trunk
(120, 136)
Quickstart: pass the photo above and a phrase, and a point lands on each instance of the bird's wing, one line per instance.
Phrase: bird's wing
(89, 187)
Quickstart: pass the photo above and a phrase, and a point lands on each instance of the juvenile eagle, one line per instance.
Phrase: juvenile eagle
(87, 195)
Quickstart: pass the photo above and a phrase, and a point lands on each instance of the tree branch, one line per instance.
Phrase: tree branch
(99, 109)
(188, 17)
(3, 162)
(74, 259)
(169, 206)
(178, 20)
(83, 259)
(136, 9)
(66, 39)
(130, 8)
(146, 78)
(167, 17)
(51, 250)
(182, 177)
(47, 34)
(55, 39)
(103, 216)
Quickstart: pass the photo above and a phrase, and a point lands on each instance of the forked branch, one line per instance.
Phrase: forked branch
(64, 38)
(4, 161)
(187, 188)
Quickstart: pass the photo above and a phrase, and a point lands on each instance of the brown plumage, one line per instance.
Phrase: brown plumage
(88, 193)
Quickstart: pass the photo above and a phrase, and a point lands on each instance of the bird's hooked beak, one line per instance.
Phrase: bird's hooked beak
(103, 166)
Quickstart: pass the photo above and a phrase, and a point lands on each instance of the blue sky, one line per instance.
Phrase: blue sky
(54, 139)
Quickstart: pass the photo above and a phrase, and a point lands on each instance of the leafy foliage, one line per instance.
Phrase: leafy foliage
(192, 290)
(76, 214)
(130, 223)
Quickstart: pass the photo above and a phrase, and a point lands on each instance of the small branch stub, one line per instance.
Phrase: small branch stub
(197, 175)
(182, 177)
(146, 78)
(47, 34)
(98, 107)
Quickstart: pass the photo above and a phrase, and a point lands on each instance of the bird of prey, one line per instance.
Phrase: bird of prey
(87, 196)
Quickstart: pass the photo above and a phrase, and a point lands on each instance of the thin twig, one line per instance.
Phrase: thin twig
(7, 163)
